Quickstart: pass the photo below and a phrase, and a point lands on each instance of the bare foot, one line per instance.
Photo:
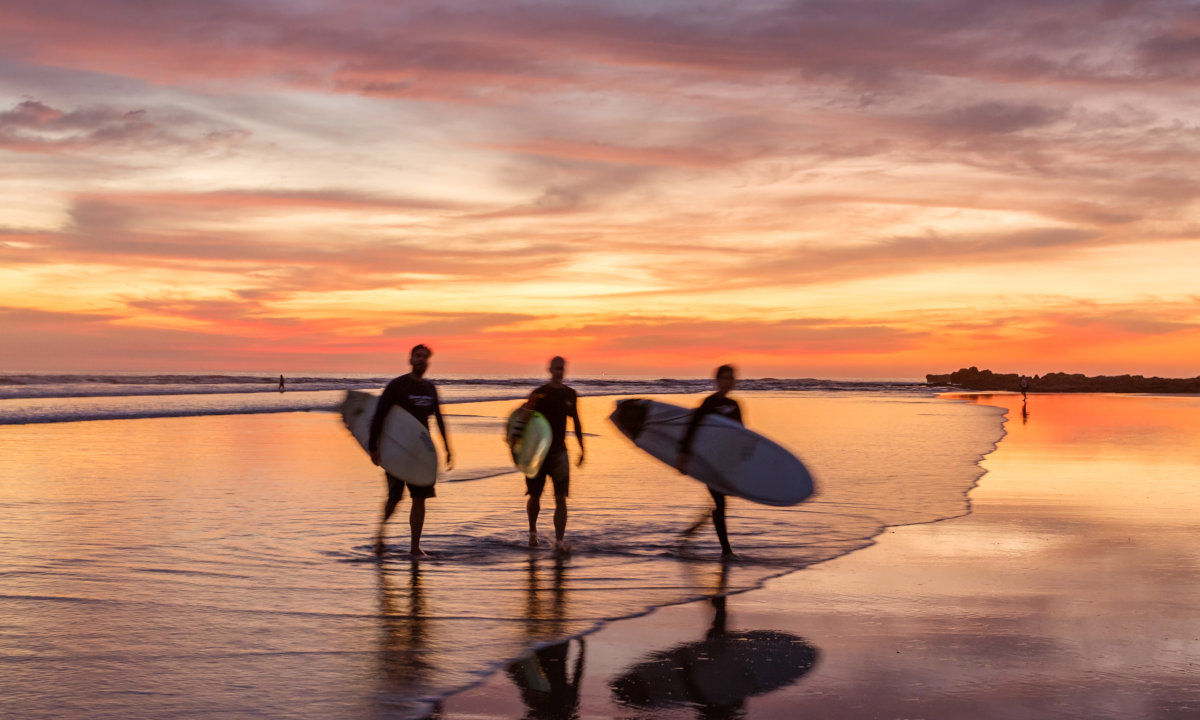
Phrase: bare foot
(418, 553)
(730, 556)
(380, 548)
(533, 538)
(562, 548)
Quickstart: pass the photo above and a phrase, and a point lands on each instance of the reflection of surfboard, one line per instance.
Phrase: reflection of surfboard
(724, 455)
(405, 448)
(528, 436)
(721, 671)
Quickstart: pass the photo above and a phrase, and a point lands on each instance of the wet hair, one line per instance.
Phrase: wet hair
(420, 346)
(725, 369)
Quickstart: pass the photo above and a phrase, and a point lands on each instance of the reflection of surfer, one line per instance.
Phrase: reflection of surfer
(721, 404)
(717, 674)
(420, 399)
(404, 653)
(549, 682)
(556, 402)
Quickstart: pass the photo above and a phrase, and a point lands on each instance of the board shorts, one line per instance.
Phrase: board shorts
(558, 466)
(396, 489)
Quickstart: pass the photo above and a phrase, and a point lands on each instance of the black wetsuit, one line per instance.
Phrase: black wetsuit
(419, 398)
(713, 404)
(718, 405)
(556, 404)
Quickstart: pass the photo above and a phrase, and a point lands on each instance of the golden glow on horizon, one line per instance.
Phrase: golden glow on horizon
(638, 205)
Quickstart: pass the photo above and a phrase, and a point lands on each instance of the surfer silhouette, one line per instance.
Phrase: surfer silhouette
(419, 398)
(721, 404)
(556, 402)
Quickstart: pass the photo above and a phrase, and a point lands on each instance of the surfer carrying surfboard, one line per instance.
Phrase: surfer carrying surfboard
(418, 396)
(556, 402)
(721, 404)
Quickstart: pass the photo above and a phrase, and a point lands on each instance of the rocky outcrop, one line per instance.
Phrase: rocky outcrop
(973, 378)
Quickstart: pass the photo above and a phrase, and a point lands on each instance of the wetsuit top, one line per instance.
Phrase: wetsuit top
(557, 404)
(715, 404)
(417, 396)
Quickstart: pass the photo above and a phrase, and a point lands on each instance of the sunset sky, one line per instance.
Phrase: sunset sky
(840, 188)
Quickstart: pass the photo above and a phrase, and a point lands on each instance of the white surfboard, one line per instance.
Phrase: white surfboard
(405, 448)
(724, 455)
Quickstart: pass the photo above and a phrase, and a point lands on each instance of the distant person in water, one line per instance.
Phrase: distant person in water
(280, 383)
(718, 403)
(556, 402)
(417, 396)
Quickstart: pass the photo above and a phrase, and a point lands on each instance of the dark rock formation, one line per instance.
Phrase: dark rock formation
(973, 378)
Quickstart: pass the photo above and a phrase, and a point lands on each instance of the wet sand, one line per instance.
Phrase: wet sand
(222, 565)
(1069, 591)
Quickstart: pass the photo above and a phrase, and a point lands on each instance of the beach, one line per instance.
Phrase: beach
(1067, 592)
(173, 566)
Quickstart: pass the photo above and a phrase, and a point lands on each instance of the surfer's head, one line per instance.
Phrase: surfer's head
(419, 359)
(725, 379)
(558, 368)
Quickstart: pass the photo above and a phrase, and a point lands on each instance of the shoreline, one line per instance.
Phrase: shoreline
(701, 600)
(313, 471)
(946, 619)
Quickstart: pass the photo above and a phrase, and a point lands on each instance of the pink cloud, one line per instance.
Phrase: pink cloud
(34, 127)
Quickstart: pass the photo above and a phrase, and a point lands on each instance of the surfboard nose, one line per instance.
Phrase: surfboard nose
(630, 417)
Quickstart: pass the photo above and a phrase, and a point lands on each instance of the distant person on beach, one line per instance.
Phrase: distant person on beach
(1024, 386)
(721, 404)
(419, 398)
(280, 383)
(556, 402)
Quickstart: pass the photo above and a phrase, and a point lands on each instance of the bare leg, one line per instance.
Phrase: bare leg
(416, 522)
(560, 517)
(718, 517)
(389, 507)
(532, 508)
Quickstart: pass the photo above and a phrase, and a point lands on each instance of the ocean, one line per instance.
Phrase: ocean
(183, 544)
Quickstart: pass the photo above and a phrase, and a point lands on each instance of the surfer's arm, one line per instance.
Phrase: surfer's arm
(386, 401)
(578, 431)
(685, 444)
(441, 423)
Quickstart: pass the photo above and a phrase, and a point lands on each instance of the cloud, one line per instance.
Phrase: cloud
(203, 232)
(478, 52)
(34, 127)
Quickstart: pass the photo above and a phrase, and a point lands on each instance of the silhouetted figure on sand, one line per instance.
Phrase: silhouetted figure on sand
(556, 402)
(419, 398)
(721, 404)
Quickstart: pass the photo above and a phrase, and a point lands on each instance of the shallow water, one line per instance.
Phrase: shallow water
(159, 567)
(1068, 593)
